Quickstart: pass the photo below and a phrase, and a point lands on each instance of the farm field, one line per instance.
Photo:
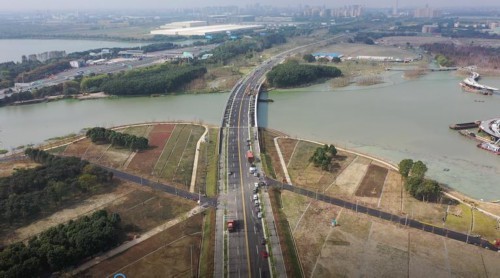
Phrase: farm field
(170, 158)
(367, 182)
(144, 161)
(365, 246)
(143, 209)
(174, 252)
(176, 162)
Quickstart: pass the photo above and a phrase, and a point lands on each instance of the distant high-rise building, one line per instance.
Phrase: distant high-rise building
(395, 8)
(426, 12)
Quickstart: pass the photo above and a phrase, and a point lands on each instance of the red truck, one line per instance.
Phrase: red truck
(250, 156)
(231, 225)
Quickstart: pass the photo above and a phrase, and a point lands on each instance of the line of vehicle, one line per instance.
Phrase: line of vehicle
(242, 193)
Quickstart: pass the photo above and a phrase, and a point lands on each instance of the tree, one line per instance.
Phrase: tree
(71, 88)
(405, 166)
(291, 73)
(323, 156)
(418, 170)
(308, 58)
(369, 41)
(336, 60)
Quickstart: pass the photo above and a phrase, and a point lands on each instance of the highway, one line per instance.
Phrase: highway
(244, 244)
(245, 251)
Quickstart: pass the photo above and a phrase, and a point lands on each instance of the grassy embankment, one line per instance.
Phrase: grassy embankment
(206, 178)
(290, 256)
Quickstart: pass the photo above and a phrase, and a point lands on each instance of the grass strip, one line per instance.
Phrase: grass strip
(208, 247)
(290, 256)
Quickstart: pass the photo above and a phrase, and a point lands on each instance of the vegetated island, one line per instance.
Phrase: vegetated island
(291, 74)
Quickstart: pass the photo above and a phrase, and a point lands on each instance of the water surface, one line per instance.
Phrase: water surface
(14, 49)
(407, 119)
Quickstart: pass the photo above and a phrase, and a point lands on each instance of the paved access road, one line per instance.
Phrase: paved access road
(162, 187)
(388, 216)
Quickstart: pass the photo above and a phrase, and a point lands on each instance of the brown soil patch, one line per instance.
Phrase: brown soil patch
(95, 152)
(145, 161)
(115, 158)
(287, 146)
(348, 180)
(318, 217)
(7, 168)
(77, 149)
(144, 209)
(167, 254)
(373, 182)
(392, 193)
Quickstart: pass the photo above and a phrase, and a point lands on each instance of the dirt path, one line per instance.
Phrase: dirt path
(195, 162)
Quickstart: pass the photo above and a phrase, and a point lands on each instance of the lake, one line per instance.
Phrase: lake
(13, 49)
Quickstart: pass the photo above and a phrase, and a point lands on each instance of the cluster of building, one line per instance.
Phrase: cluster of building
(426, 12)
(346, 11)
(42, 57)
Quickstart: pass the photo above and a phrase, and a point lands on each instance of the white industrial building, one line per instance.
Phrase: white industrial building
(204, 30)
(184, 24)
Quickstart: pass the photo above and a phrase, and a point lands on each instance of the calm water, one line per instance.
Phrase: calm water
(32, 124)
(408, 119)
(12, 50)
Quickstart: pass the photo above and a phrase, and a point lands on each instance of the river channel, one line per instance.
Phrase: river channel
(399, 119)
(396, 120)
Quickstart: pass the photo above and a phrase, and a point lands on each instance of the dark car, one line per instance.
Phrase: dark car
(263, 241)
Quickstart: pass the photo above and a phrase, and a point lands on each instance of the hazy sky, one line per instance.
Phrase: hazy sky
(165, 4)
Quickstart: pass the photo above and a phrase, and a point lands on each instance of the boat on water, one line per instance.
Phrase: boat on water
(490, 147)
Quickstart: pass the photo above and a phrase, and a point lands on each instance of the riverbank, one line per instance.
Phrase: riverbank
(350, 182)
(420, 131)
(92, 96)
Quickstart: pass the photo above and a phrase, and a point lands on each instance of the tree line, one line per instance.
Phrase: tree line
(29, 192)
(158, 79)
(465, 55)
(415, 182)
(104, 135)
(323, 156)
(291, 73)
(230, 49)
(28, 71)
(66, 89)
(9, 71)
(62, 246)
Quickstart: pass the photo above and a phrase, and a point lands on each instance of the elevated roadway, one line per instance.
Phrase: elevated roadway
(242, 249)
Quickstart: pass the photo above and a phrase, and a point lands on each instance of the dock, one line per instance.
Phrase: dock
(465, 125)
(470, 84)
